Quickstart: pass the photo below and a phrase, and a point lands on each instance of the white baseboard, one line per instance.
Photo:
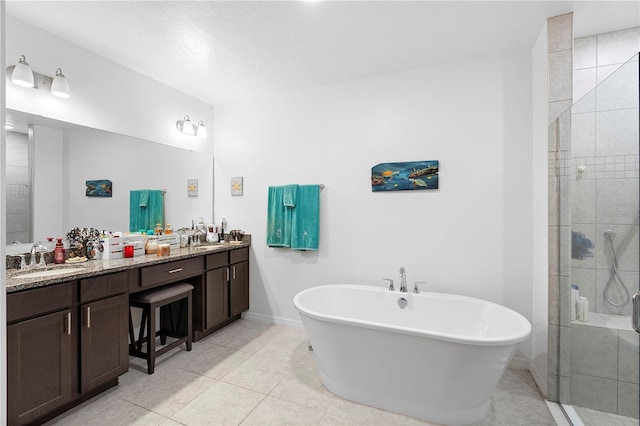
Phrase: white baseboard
(540, 379)
(270, 319)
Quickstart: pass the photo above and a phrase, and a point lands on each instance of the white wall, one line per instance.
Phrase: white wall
(104, 94)
(472, 236)
(540, 205)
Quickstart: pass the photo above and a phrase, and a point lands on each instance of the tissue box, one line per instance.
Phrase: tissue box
(113, 248)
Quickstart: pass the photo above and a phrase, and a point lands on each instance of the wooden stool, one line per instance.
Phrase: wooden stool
(163, 298)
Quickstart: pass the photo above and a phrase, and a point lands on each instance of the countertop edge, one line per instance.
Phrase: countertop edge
(101, 267)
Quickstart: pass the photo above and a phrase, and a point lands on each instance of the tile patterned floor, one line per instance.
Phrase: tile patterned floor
(253, 373)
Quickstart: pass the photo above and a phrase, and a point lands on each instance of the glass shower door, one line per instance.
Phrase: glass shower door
(599, 202)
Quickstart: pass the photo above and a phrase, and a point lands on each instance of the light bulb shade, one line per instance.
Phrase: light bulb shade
(201, 132)
(22, 74)
(187, 126)
(60, 86)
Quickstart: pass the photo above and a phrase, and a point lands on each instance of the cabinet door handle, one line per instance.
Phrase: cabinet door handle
(234, 272)
(68, 323)
(227, 272)
(88, 316)
(173, 271)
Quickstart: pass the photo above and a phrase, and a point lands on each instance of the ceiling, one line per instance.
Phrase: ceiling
(230, 51)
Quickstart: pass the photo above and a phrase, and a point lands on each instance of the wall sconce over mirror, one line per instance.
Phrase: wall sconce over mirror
(188, 128)
(22, 75)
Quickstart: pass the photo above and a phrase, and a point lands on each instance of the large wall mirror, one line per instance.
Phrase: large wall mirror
(48, 165)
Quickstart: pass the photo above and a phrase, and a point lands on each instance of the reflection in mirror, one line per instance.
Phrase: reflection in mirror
(18, 187)
(65, 156)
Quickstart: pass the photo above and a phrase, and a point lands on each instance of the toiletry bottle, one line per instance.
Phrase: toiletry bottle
(583, 309)
(167, 229)
(58, 252)
(574, 301)
(158, 230)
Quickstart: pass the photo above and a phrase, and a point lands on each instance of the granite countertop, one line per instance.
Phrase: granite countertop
(92, 268)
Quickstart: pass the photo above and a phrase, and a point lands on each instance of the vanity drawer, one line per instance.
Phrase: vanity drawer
(216, 260)
(40, 301)
(170, 272)
(239, 255)
(103, 286)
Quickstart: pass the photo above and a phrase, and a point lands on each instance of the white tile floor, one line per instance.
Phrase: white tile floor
(253, 373)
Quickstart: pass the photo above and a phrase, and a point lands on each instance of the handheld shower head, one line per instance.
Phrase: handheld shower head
(610, 234)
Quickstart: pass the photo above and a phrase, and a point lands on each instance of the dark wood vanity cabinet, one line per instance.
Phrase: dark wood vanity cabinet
(226, 289)
(40, 352)
(238, 281)
(216, 290)
(104, 313)
(68, 342)
(63, 342)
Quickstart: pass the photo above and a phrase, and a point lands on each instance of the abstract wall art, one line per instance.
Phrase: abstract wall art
(98, 188)
(410, 175)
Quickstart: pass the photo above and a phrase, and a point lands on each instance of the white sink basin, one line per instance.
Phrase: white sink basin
(49, 273)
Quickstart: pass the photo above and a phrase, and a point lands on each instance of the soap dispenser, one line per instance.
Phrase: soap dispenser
(58, 252)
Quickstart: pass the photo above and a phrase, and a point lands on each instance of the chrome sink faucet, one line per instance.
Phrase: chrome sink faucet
(196, 241)
(403, 280)
(37, 247)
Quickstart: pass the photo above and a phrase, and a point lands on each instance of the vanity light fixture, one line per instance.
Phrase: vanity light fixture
(22, 75)
(201, 132)
(188, 128)
(185, 126)
(59, 85)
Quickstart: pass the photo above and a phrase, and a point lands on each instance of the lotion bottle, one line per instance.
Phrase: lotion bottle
(574, 301)
(583, 309)
(58, 252)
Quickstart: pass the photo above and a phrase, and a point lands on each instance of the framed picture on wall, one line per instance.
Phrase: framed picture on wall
(98, 188)
(410, 175)
(236, 185)
(192, 187)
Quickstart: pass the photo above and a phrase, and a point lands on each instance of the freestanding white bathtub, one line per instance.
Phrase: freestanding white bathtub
(439, 359)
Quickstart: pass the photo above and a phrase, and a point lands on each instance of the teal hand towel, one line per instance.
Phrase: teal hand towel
(278, 219)
(144, 198)
(145, 217)
(305, 220)
(289, 195)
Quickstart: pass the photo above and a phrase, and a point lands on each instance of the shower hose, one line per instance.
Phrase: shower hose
(611, 235)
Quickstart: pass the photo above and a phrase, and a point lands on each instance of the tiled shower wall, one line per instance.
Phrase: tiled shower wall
(18, 187)
(604, 174)
(604, 167)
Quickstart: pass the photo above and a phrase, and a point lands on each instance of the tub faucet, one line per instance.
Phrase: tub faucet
(403, 280)
(391, 288)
